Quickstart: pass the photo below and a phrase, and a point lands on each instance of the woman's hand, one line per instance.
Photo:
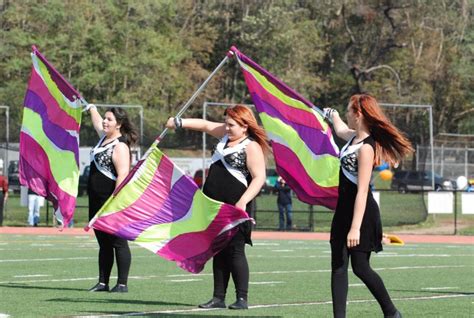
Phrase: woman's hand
(170, 123)
(329, 113)
(89, 107)
(353, 237)
(241, 205)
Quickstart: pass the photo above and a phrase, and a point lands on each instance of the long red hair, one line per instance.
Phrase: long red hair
(391, 145)
(244, 116)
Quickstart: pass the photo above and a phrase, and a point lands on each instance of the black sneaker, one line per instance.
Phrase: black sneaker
(99, 287)
(239, 304)
(119, 288)
(396, 315)
(213, 303)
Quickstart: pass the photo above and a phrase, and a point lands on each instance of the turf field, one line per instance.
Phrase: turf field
(48, 276)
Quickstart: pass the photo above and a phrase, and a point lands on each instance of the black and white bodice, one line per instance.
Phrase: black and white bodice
(101, 155)
(234, 158)
(348, 157)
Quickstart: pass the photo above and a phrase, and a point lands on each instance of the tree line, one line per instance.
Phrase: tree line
(156, 53)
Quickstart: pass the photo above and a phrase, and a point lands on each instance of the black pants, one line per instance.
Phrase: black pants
(108, 244)
(361, 268)
(231, 260)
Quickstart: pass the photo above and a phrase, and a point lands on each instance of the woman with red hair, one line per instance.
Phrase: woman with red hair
(356, 229)
(236, 175)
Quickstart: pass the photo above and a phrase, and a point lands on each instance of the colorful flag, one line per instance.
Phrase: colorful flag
(160, 208)
(306, 155)
(49, 138)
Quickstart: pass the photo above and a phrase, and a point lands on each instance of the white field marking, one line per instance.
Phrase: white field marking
(4, 315)
(356, 285)
(41, 244)
(26, 276)
(282, 251)
(184, 280)
(316, 303)
(265, 283)
(44, 259)
(60, 259)
(266, 244)
(253, 273)
(439, 288)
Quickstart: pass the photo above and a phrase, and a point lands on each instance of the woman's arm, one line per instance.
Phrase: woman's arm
(121, 160)
(256, 167)
(340, 127)
(96, 119)
(212, 128)
(365, 165)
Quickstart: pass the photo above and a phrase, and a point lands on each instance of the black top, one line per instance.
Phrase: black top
(223, 186)
(100, 187)
(371, 227)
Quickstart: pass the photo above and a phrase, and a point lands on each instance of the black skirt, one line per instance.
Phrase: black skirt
(221, 185)
(371, 227)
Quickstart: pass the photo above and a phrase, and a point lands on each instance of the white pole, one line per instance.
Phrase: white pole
(432, 145)
(204, 110)
(196, 93)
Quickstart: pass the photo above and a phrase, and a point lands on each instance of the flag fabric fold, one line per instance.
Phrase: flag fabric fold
(49, 137)
(161, 209)
(305, 153)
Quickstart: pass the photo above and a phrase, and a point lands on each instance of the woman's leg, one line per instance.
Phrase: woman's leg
(240, 269)
(221, 271)
(361, 267)
(123, 257)
(339, 280)
(106, 256)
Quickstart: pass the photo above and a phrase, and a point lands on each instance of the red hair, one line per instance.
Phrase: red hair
(244, 116)
(390, 144)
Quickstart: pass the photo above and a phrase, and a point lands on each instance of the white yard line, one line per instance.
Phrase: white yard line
(316, 303)
(195, 276)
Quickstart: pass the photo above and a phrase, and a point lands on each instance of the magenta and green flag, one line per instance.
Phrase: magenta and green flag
(161, 209)
(49, 137)
(306, 155)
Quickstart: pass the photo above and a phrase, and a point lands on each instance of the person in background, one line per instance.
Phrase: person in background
(3, 195)
(356, 229)
(236, 175)
(284, 204)
(35, 202)
(110, 164)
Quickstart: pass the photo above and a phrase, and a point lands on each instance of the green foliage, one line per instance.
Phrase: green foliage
(156, 53)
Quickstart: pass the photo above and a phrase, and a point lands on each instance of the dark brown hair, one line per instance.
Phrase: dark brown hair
(127, 129)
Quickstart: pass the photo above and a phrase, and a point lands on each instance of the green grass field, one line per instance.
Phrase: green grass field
(48, 276)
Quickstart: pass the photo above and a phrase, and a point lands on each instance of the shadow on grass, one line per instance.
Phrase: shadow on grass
(24, 286)
(173, 315)
(118, 301)
(434, 291)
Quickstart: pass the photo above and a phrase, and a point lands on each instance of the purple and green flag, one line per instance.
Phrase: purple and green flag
(161, 209)
(49, 137)
(306, 155)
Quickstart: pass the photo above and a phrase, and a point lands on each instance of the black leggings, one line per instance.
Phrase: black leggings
(231, 260)
(109, 243)
(361, 268)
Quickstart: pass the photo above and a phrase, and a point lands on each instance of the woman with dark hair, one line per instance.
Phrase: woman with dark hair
(236, 175)
(110, 164)
(356, 229)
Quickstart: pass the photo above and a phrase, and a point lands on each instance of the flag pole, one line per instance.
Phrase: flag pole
(196, 93)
